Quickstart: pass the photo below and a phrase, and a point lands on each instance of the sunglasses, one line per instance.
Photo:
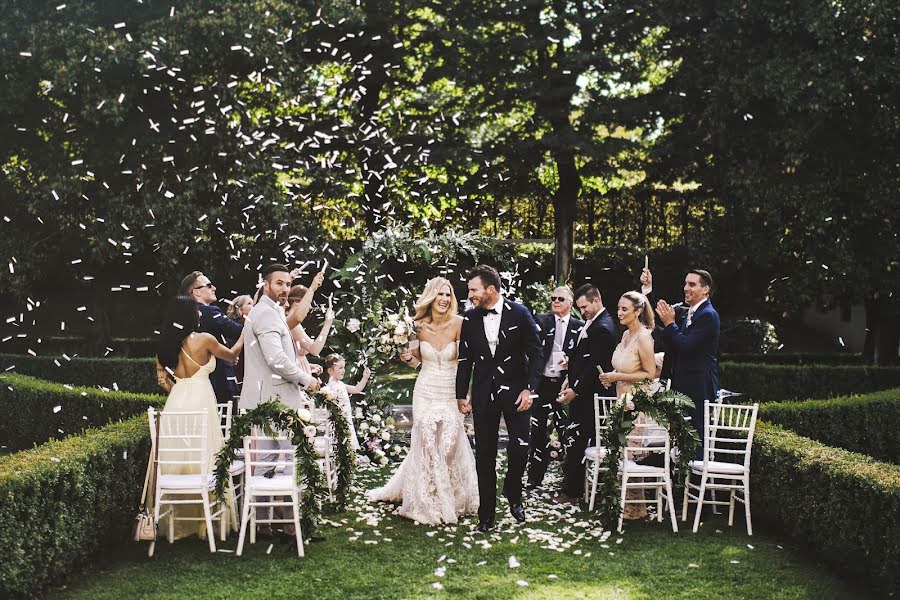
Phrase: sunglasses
(205, 285)
(558, 298)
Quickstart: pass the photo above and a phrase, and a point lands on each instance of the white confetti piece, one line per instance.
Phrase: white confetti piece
(513, 562)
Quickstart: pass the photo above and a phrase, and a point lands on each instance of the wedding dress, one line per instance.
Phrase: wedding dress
(436, 482)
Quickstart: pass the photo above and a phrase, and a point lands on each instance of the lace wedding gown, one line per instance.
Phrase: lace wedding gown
(436, 482)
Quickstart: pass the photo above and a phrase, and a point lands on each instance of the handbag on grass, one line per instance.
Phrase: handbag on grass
(145, 529)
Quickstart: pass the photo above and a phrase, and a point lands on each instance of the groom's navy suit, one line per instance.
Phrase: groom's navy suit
(695, 350)
(497, 382)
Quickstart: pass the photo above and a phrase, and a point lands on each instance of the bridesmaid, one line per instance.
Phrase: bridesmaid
(634, 363)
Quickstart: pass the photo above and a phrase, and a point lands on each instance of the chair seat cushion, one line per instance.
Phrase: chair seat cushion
(278, 483)
(715, 466)
(639, 469)
(236, 468)
(595, 452)
(185, 482)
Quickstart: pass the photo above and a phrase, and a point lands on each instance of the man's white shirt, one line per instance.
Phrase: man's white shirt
(492, 325)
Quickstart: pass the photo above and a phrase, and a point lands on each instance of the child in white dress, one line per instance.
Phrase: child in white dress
(335, 366)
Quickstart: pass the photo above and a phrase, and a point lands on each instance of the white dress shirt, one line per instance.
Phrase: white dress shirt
(559, 340)
(492, 325)
(691, 312)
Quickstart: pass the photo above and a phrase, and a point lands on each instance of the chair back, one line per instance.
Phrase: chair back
(183, 442)
(260, 455)
(648, 438)
(226, 413)
(602, 407)
(729, 431)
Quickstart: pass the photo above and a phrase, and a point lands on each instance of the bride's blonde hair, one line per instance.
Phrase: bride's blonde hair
(429, 295)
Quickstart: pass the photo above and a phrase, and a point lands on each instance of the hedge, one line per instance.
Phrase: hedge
(65, 500)
(33, 411)
(128, 374)
(794, 358)
(845, 507)
(866, 424)
(774, 383)
(56, 345)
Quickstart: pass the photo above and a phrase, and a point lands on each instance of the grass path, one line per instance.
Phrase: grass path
(370, 553)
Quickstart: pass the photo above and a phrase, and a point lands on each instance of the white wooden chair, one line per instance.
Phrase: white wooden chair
(729, 435)
(183, 474)
(594, 455)
(278, 490)
(648, 439)
(237, 468)
(324, 446)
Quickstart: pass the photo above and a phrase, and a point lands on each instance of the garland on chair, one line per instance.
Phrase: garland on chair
(345, 455)
(272, 416)
(666, 408)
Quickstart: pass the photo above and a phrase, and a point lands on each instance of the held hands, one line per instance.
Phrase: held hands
(524, 400)
(666, 313)
(464, 405)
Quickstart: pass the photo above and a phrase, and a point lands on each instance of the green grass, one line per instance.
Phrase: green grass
(370, 553)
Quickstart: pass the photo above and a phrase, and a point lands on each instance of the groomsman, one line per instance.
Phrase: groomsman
(559, 332)
(693, 343)
(214, 321)
(594, 346)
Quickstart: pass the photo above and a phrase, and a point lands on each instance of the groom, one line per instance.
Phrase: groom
(499, 342)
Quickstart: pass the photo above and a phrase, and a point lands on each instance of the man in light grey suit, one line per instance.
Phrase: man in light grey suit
(270, 360)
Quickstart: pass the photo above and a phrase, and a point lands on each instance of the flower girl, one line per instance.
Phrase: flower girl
(335, 366)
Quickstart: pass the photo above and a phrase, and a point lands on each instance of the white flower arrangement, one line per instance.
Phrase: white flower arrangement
(353, 325)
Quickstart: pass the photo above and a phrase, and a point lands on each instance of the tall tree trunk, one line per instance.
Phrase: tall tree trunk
(882, 331)
(565, 211)
(592, 218)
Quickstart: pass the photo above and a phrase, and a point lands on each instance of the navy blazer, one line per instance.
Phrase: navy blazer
(596, 348)
(695, 350)
(516, 363)
(214, 321)
(547, 331)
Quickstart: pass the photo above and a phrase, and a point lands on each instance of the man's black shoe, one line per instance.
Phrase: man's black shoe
(518, 512)
(485, 526)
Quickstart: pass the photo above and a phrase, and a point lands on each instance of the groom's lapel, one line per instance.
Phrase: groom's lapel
(507, 326)
(479, 341)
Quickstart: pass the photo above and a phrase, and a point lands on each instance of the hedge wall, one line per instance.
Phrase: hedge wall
(774, 383)
(128, 374)
(33, 411)
(794, 358)
(845, 507)
(56, 345)
(65, 500)
(866, 424)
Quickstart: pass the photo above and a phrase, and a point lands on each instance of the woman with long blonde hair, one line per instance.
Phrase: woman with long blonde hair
(436, 482)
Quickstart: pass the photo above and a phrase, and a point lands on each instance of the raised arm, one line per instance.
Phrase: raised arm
(359, 387)
(298, 311)
(212, 345)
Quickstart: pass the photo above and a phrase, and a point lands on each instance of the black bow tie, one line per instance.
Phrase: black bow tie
(488, 311)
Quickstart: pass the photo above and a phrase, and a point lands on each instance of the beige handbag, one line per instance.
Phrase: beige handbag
(145, 529)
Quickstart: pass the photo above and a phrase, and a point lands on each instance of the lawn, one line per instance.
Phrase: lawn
(370, 553)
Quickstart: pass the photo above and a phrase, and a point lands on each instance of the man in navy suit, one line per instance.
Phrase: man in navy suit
(214, 321)
(500, 354)
(559, 332)
(594, 346)
(694, 344)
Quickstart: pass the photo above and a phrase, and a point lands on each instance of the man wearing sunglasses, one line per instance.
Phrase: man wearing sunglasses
(213, 320)
(559, 332)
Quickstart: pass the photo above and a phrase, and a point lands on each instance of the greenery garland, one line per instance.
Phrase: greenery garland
(345, 455)
(272, 416)
(666, 407)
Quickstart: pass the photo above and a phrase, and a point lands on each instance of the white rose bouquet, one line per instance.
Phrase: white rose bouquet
(391, 334)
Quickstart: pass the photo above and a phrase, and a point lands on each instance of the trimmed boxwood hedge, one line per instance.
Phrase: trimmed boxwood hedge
(774, 383)
(794, 358)
(65, 500)
(845, 507)
(55, 345)
(33, 411)
(866, 424)
(128, 374)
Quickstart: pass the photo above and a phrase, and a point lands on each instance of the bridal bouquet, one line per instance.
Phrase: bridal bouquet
(392, 333)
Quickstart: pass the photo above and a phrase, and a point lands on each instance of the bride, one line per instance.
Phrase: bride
(436, 482)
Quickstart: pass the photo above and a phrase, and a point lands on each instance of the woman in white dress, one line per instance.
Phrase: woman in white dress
(436, 482)
(189, 357)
